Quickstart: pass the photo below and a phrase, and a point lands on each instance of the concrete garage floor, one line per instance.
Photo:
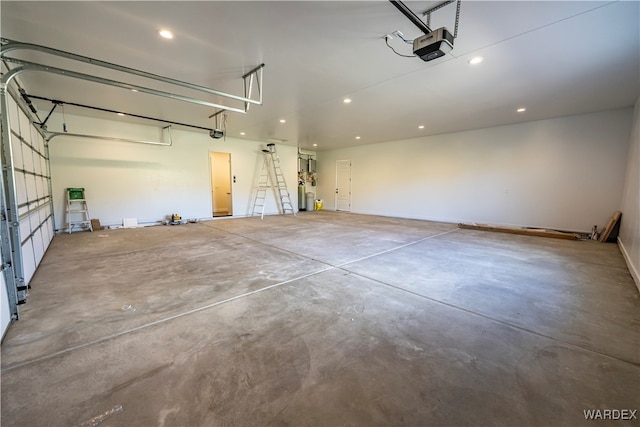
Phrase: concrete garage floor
(325, 319)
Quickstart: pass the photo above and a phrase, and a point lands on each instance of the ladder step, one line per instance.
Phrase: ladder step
(272, 176)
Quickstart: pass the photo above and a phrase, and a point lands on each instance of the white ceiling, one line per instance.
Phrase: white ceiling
(555, 58)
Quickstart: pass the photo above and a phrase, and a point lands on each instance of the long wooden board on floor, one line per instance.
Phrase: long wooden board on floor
(524, 231)
(610, 226)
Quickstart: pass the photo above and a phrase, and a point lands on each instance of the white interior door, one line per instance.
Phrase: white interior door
(221, 183)
(343, 185)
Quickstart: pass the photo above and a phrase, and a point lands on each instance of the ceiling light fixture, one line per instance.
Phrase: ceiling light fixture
(166, 34)
(357, 137)
(421, 127)
(315, 145)
(476, 60)
(283, 121)
(347, 100)
(521, 110)
(242, 133)
(121, 114)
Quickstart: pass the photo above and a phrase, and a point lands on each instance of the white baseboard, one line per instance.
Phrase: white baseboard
(632, 268)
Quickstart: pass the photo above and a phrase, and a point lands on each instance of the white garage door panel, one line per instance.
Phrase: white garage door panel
(45, 236)
(27, 154)
(37, 166)
(5, 316)
(23, 210)
(40, 186)
(40, 140)
(32, 194)
(34, 220)
(21, 188)
(25, 126)
(14, 120)
(4, 307)
(16, 147)
(49, 228)
(42, 213)
(28, 261)
(25, 228)
(33, 199)
(38, 246)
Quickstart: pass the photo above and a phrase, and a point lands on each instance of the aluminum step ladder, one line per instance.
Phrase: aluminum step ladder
(77, 210)
(272, 177)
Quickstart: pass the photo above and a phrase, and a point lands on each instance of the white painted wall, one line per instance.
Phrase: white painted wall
(565, 173)
(629, 238)
(147, 182)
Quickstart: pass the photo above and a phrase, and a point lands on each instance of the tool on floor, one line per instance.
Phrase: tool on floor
(77, 210)
(271, 176)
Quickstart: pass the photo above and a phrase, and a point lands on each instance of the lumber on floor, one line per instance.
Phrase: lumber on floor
(524, 231)
(610, 226)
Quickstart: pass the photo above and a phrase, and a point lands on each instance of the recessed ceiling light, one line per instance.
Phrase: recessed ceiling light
(347, 100)
(283, 121)
(476, 60)
(165, 34)
(521, 110)
(134, 90)
(121, 114)
(315, 145)
(242, 133)
(357, 137)
(421, 127)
